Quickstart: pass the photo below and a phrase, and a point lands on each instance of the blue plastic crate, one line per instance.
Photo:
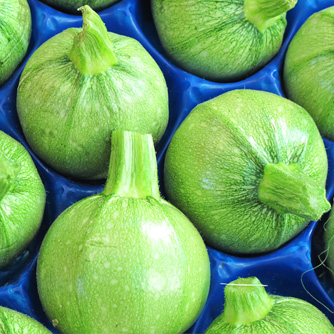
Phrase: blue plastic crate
(283, 270)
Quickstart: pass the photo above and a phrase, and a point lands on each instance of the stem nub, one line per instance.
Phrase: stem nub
(133, 166)
(263, 13)
(9, 170)
(286, 189)
(246, 301)
(92, 50)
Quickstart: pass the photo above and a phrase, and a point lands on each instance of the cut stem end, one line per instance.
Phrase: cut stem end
(133, 166)
(263, 13)
(286, 189)
(246, 301)
(92, 50)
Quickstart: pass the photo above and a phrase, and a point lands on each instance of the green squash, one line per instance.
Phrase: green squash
(224, 40)
(248, 168)
(15, 31)
(12, 322)
(22, 199)
(308, 70)
(249, 309)
(125, 260)
(81, 85)
(71, 6)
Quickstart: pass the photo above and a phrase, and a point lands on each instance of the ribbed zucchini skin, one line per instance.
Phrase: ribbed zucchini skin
(215, 163)
(287, 316)
(113, 265)
(71, 6)
(14, 322)
(22, 207)
(15, 31)
(67, 117)
(308, 78)
(213, 39)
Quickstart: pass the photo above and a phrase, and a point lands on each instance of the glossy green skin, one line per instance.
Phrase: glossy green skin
(308, 71)
(71, 6)
(329, 241)
(217, 42)
(215, 163)
(67, 117)
(115, 265)
(287, 316)
(22, 207)
(15, 31)
(12, 322)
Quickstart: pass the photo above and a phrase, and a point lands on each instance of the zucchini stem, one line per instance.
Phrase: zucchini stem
(263, 13)
(92, 50)
(286, 189)
(246, 301)
(9, 170)
(133, 166)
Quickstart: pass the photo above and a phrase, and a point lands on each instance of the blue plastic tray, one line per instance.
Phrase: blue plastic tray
(283, 270)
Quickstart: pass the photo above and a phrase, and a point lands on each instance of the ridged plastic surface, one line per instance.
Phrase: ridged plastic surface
(283, 270)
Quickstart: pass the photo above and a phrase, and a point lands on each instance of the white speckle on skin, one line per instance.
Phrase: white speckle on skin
(91, 256)
(175, 283)
(127, 288)
(114, 281)
(156, 281)
(7, 210)
(120, 268)
(106, 264)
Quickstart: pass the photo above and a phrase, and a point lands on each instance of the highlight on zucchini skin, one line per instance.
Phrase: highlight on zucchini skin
(81, 85)
(124, 260)
(15, 32)
(308, 78)
(223, 40)
(71, 6)
(248, 168)
(249, 309)
(22, 199)
(15, 322)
